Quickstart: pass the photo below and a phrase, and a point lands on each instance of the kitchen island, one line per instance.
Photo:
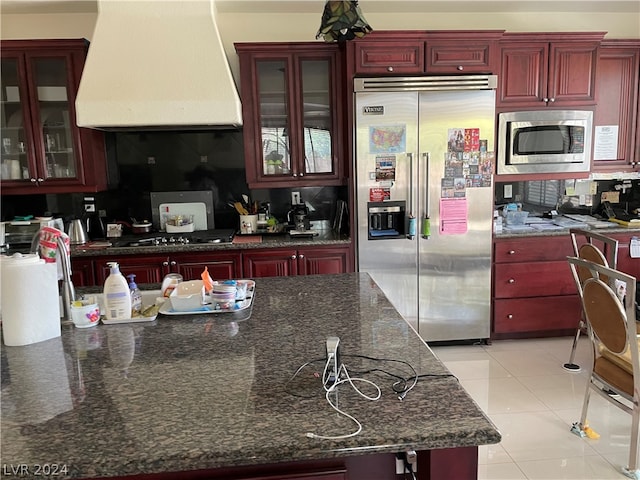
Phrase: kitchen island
(236, 395)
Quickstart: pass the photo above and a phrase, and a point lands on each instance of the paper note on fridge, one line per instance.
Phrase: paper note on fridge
(453, 216)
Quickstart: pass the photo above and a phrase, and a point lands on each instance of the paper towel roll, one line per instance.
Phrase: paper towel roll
(29, 296)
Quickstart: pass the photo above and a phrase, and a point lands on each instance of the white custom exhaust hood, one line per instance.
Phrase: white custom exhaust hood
(157, 65)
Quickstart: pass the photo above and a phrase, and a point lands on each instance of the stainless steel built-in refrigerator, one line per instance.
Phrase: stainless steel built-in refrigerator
(424, 155)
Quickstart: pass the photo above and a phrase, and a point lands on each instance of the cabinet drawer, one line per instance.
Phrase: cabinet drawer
(532, 249)
(389, 57)
(536, 314)
(451, 58)
(534, 279)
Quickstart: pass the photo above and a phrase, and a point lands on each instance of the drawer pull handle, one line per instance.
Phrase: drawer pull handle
(512, 252)
(510, 316)
(389, 69)
(512, 280)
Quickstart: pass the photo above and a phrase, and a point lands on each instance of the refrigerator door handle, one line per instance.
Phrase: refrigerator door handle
(410, 190)
(426, 221)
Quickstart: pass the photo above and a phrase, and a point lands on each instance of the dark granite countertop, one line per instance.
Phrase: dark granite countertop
(325, 238)
(563, 232)
(204, 391)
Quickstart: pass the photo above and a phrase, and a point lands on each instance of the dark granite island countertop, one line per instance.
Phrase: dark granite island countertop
(206, 393)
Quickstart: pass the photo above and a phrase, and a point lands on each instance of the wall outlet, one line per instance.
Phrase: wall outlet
(295, 198)
(151, 160)
(411, 457)
(508, 191)
(90, 207)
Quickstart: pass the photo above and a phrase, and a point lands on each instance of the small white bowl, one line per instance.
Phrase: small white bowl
(85, 315)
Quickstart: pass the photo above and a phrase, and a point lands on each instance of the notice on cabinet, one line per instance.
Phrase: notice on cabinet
(605, 144)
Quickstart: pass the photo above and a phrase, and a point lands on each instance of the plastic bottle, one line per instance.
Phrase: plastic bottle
(136, 296)
(117, 296)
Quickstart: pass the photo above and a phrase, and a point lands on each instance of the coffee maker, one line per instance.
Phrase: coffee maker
(92, 219)
(298, 217)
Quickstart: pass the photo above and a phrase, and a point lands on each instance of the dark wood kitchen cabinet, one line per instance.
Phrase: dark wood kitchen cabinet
(43, 150)
(424, 52)
(626, 263)
(617, 80)
(82, 272)
(152, 268)
(539, 70)
(533, 290)
(292, 107)
(283, 262)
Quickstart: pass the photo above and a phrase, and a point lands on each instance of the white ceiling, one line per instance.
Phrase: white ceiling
(371, 6)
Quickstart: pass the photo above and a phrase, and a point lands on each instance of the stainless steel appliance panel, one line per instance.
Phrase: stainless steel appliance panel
(440, 284)
(392, 263)
(454, 270)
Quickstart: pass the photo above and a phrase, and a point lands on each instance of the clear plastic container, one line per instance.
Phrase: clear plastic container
(169, 283)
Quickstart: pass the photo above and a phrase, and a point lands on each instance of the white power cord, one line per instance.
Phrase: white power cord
(332, 388)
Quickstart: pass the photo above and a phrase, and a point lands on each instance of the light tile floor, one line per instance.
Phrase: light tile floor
(532, 400)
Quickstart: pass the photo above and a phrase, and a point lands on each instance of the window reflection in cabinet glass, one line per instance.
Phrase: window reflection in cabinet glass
(274, 113)
(316, 116)
(13, 153)
(53, 104)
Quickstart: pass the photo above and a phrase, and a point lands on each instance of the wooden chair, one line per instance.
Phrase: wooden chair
(611, 326)
(596, 248)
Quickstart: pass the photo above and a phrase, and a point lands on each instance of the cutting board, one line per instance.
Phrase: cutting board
(197, 209)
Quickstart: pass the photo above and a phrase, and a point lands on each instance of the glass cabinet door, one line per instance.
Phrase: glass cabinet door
(15, 147)
(316, 116)
(274, 117)
(55, 128)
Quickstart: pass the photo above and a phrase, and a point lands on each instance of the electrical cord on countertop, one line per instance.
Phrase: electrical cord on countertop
(330, 385)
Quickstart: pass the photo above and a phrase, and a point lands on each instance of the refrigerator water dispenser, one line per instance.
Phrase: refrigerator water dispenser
(386, 219)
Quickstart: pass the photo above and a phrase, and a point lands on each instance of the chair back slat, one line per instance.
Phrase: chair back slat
(605, 314)
(591, 253)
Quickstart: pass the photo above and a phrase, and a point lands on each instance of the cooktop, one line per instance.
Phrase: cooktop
(162, 238)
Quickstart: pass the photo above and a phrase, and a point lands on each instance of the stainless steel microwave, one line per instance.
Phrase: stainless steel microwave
(547, 141)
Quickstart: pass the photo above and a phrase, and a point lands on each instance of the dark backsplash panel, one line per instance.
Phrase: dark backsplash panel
(174, 161)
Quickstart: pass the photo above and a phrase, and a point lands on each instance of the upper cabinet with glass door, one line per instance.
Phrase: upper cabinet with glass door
(43, 151)
(292, 103)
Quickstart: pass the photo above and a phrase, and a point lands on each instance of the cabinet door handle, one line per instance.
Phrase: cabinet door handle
(293, 257)
(552, 100)
(512, 252)
(460, 67)
(40, 180)
(173, 263)
(302, 174)
(33, 180)
(295, 174)
(389, 69)
(510, 316)
(545, 99)
(512, 280)
(301, 256)
(165, 264)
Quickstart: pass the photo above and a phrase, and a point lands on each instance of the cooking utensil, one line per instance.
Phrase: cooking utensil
(141, 227)
(240, 208)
